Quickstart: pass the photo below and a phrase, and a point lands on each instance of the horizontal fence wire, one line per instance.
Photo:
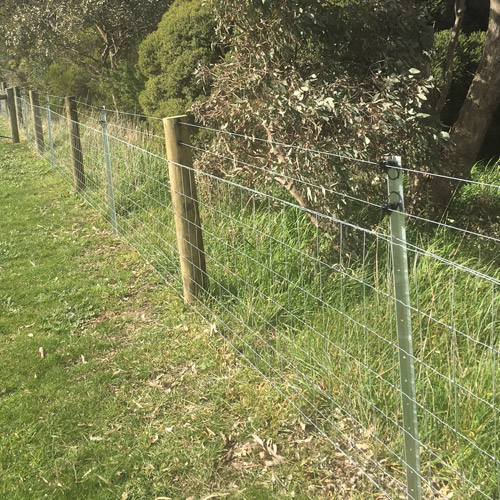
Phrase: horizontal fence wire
(307, 299)
(275, 174)
(253, 138)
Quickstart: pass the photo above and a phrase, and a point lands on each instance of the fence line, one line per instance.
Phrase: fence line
(313, 310)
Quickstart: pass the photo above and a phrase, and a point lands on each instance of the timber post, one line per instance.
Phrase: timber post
(37, 121)
(76, 145)
(11, 106)
(185, 207)
(4, 97)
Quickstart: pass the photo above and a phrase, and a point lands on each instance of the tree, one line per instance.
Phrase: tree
(475, 114)
(448, 71)
(63, 25)
(483, 98)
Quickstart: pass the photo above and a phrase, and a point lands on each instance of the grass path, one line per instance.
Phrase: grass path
(109, 388)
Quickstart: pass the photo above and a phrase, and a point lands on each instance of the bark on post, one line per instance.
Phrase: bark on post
(76, 145)
(37, 121)
(11, 106)
(185, 206)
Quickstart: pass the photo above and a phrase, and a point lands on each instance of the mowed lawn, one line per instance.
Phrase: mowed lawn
(110, 388)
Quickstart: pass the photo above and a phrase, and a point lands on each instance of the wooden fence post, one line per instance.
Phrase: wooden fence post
(76, 145)
(19, 108)
(11, 106)
(37, 121)
(185, 206)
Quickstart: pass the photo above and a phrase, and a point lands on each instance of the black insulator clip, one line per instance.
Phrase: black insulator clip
(390, 206)
(385, 164)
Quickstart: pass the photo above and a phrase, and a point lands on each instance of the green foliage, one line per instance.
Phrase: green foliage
(170, 56)
(90, 45)
(121, 87)
(481, 205)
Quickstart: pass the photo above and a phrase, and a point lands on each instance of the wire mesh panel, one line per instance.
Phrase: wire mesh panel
(61, 140)
(143, 207)
(300, 284)
(287, 300)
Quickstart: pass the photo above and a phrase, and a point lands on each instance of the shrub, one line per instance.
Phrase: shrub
(170, 56)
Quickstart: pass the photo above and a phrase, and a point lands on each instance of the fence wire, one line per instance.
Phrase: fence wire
(308, 300)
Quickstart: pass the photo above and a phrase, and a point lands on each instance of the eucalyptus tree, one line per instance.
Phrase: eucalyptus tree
(475, 106)
(345, 76)
(481, 102)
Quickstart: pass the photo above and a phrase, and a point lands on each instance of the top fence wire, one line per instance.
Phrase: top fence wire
(300, 284)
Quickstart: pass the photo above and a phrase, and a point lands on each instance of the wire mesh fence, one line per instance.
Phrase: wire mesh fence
(309, 299)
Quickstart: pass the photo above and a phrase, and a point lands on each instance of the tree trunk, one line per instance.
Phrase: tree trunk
(483, 98)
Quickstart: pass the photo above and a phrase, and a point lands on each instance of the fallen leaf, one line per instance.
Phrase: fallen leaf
(258, 440)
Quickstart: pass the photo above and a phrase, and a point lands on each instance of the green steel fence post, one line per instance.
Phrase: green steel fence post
(109, 172)
(404, 331)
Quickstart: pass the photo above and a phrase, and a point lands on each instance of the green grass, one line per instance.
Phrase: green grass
(293, 303)
(135, 397)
